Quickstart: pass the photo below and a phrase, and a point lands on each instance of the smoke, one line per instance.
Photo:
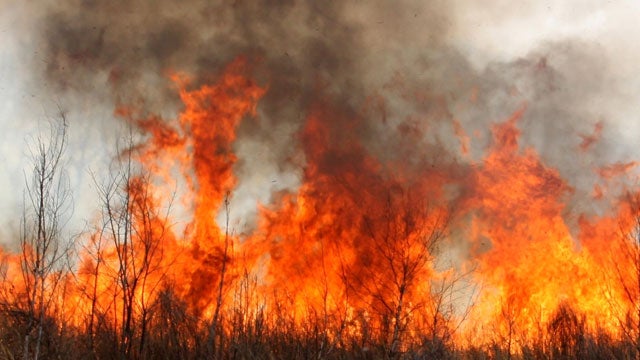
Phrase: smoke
(402, 66)
(393, 94)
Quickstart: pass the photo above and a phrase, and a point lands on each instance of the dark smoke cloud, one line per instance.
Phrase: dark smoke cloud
(127, 48)
(355, 52)
(136, 42)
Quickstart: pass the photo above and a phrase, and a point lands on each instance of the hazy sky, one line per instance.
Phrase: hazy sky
(485, 31)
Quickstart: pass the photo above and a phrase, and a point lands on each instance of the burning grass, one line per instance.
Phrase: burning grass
(355, 263)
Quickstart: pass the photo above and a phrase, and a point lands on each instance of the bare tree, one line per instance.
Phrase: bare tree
(43, 249)
(131, 221)
(567, 333)
(404, 238)
(627, 271)
(91, 268)
(451, 301)
(227, 249)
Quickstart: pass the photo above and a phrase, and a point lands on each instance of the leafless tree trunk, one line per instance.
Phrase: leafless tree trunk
(628, 274)
(443, 318)
(227, 248)
(46, 207)
(116, 202)
(94, 248)
(404, 237)
(132, 223)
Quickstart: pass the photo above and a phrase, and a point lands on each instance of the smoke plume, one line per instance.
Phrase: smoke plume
(393, 65)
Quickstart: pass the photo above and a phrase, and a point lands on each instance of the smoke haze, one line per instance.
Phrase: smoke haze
(413, 65)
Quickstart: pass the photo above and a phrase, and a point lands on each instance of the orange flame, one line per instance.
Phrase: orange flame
(356, 247)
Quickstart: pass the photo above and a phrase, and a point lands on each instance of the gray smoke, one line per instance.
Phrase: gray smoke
(119, 52)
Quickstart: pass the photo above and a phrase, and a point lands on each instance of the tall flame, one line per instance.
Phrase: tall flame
(359, 247)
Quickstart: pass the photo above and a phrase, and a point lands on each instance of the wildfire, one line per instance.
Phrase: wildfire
(356, 247)
(533, 265)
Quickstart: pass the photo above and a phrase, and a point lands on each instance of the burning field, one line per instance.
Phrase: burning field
(333, 181)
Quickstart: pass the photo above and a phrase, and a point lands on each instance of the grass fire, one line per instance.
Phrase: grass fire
(297, 180)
